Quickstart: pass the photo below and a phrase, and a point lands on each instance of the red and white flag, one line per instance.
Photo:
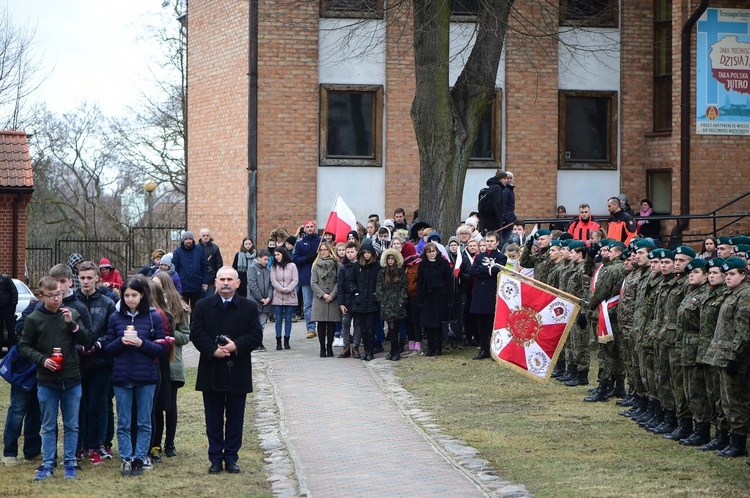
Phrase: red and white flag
(532, 321)
(341, 221)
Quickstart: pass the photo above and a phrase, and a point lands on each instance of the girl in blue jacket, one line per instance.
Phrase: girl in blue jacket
(134, 372)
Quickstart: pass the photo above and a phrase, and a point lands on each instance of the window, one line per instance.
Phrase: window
(351, 129)
(659, 188)
(587, 129)
(486, 152)
(464, 10)
(662, 107)
(601, 13)
(364, 9)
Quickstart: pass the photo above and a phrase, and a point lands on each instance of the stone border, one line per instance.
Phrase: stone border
(456, 452)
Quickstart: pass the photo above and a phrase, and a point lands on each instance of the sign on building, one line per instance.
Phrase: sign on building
(723, 73)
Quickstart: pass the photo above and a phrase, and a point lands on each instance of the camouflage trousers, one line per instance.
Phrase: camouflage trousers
(630, 358)
(696, 393)
(578, 347)
(611, 364)
(661, 376)
(735, 401)
(713, 394)
(677, 383)
(647, 371)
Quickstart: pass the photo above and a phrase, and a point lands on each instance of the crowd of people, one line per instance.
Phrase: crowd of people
(671, 324)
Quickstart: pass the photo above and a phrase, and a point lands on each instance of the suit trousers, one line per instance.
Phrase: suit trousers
(224, 434)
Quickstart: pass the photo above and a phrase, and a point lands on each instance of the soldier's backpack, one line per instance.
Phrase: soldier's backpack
(485, 201)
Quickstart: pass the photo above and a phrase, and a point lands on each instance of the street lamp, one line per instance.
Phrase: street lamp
(149, 187)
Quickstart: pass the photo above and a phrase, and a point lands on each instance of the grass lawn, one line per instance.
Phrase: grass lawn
(185, 475)
(547, 438)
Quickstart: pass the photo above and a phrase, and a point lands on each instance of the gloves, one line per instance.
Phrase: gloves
(530, 242)
(594, 249)
(732, 367)
(581, 320)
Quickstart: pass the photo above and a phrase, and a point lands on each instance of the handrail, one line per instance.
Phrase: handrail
(730, 202)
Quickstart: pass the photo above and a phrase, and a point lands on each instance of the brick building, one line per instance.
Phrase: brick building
(16, 186)
(580, 117)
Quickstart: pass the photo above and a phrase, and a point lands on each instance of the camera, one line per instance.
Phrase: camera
(221, 340)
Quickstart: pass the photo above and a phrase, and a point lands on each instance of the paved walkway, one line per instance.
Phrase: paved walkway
(344, 429)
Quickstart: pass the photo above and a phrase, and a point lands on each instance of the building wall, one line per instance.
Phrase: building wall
(6, 233)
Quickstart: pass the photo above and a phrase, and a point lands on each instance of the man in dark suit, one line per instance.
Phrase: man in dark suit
(225, 329)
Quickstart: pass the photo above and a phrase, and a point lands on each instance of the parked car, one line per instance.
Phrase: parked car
(24, 297)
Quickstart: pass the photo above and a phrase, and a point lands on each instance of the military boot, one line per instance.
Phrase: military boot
(719, 442)
(559, 369)
(581, 379)
(737, 446)
(655, 420)
(617, 389)
(600, 394)
(648, 411)
(700, 437)
(569, 374)
(683, 430)
(669, 424)
(635, 408)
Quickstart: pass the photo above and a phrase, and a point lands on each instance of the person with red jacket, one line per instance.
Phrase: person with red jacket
(581, 227)
(110, 277)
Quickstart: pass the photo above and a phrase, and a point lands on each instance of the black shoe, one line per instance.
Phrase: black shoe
(278, 344)
(718, 443)
(684, 430)
(370, 357)
(430, 352)
(600, 394)
(737, 447)
(580, 379)
(286, 343)
(232, 467)
(482, 355)
(261, 348)
(558, 372)
(393, 356)
(626, 401)
(136, 469)
(346, 353)
(329, 352)
(322, 351)
(567, 375)
(170, 452)
(700, 437)
(215, 468)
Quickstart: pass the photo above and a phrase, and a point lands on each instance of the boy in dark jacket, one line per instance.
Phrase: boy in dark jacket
(364, 303)
(345, 301)
(49, 330)
(191, 265)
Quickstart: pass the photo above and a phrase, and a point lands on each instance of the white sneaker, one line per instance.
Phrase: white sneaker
(148, 464)
(338, 342)
(11, 461)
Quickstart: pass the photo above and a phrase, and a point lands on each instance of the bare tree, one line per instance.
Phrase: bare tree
(19, 71)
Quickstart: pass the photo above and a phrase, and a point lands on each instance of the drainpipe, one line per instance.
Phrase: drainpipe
(252, 124)
(685, 79)
(14, 251)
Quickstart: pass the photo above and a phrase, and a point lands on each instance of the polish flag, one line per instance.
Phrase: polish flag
(341, 221)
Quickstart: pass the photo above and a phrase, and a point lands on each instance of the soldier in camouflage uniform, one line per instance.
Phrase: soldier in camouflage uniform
(606, 283)
(688, 327)
(730, 351)
(563, 278)
(553, 279)
(577, 284)
(709, 316)
(538, 260)
(670, 334)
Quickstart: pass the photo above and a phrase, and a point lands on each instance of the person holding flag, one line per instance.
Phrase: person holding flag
(341, 221)
(485, 269)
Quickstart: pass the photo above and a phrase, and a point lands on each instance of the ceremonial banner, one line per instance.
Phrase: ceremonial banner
(341, 221)
(532, 321)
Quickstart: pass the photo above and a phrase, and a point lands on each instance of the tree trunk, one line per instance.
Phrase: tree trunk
(446, 121)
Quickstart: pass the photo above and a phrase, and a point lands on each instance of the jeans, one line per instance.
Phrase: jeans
(283, 313)
(346, 327)
(68, 401)
(307, 298)
(23, 412)
(144, 401)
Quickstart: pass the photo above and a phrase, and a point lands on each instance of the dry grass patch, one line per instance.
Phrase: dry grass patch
(185, 475)
(547, 438)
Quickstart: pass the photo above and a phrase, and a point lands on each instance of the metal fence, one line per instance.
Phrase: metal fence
(38, 262)
(144, 240)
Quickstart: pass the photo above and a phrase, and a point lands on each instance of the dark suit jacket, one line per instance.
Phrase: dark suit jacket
(239, 322)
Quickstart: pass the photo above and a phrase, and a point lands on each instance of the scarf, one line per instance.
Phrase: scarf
(328, 268)
(645, 212)
(244, 260)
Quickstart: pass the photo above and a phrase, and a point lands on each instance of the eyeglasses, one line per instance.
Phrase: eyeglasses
(59, 295)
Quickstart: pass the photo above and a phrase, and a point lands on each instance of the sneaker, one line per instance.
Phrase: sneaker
(95, 458)
(155, 454)
(170, 451)
(11, 461)
(137, 467)
(43, 473)
(127, 469)
(310, 334)
(261, 348)
(70, 472)
(77, 466)
(105, 452)
(148, 464)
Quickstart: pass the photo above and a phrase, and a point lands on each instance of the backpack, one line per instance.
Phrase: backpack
(485, 201)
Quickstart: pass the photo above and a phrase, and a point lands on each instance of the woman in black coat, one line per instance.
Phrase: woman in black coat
(362, 288)
(434, 295)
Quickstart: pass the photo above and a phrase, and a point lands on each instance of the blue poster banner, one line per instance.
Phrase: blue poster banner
(723, 73)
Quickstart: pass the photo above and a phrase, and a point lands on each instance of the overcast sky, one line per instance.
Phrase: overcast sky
(90, 49)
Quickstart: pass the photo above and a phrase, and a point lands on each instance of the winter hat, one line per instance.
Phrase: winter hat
(291, 240)
(187, 235)
(167, 260)
(104, 263)
(473, 221)
(454, 239)
(388, 223)
(354, 233)
(434, 236)
(366, 246)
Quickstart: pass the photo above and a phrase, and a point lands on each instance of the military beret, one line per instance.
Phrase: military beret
(566, 236)
(743, 248)
(739, 239)
(605, 242)
(697, 264)
(724, 241)
(625, 255)
(715, 262)
(643, 244)
(733, 263)
(685, 251)
(665, 254)
(654, 254)
(542, 232)
(617, 245)
(555, 243)
(576, 244)
(565, 242)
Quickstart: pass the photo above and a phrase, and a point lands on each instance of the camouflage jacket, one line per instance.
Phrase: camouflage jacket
(731, 338)
(709, 316)
(626, 308)
(540, 262)
(576, 282)
(667, 326)
(645, 300)
(556, 270)
(608, 282)
(657, 316)
(689, 323)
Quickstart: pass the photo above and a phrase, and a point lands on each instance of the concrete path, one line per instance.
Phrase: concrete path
(344, 427)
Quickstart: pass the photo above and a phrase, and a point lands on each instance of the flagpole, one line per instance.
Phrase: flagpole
(549, 288)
